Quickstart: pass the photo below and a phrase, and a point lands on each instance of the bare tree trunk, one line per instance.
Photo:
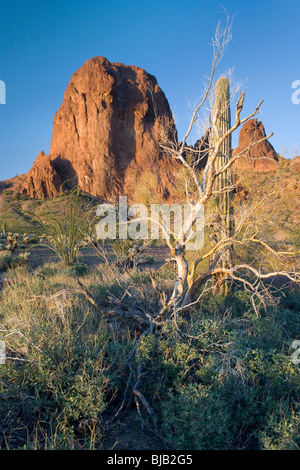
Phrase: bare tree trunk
(182, 268)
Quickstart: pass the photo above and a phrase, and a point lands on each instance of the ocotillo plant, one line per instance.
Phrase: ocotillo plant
(222, 123)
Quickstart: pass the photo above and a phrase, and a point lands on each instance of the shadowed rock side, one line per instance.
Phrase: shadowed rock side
(198, 153)
(262, 157)
(105, 136)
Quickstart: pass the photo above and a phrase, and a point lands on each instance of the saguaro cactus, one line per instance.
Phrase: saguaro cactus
(222, 123)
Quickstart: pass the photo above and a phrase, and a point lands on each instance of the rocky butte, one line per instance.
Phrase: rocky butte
(261, 157)
(105, 136)
(105, 139)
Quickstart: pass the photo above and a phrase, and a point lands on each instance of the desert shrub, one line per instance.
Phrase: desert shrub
(196, 418)
(282, 430)
(4, 260)
(7, 260)
(76, 270)
(64, 231)
(63, 364)
(219, 377)
(225, 380)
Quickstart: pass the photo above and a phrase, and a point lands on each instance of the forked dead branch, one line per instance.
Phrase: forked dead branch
(211, 187)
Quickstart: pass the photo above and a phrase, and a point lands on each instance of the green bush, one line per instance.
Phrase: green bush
(4, 260)
(7, 260)
(223, 388)
(75, 270)
(65, 366)
(220, 377)
(64, 232)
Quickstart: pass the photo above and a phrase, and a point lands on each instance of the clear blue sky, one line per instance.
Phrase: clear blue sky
(44, 42)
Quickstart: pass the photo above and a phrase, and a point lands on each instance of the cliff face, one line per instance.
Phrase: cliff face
(106, 131)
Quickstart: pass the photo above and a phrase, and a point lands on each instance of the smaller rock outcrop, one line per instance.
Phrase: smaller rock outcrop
(294, 165)
(42, 181)
(261, 157)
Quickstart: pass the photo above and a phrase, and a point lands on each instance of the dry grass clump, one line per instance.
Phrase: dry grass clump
(64, 364)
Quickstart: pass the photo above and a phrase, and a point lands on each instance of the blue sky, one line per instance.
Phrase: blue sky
(44, 42)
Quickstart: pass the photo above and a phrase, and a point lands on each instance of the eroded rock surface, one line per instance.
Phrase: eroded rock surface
(42, 180)
(106, 133)
(262, 156)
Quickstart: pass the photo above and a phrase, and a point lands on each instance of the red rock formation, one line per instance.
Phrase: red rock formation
(42, 180)
(294, 165)
(262, 157)
(105, 139)
(106, 131)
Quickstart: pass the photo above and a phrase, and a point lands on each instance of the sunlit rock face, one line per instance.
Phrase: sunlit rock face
(260, 157)
(42, 181)
(106, 134)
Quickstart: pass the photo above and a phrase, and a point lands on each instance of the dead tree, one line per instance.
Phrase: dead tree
(214, 182)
